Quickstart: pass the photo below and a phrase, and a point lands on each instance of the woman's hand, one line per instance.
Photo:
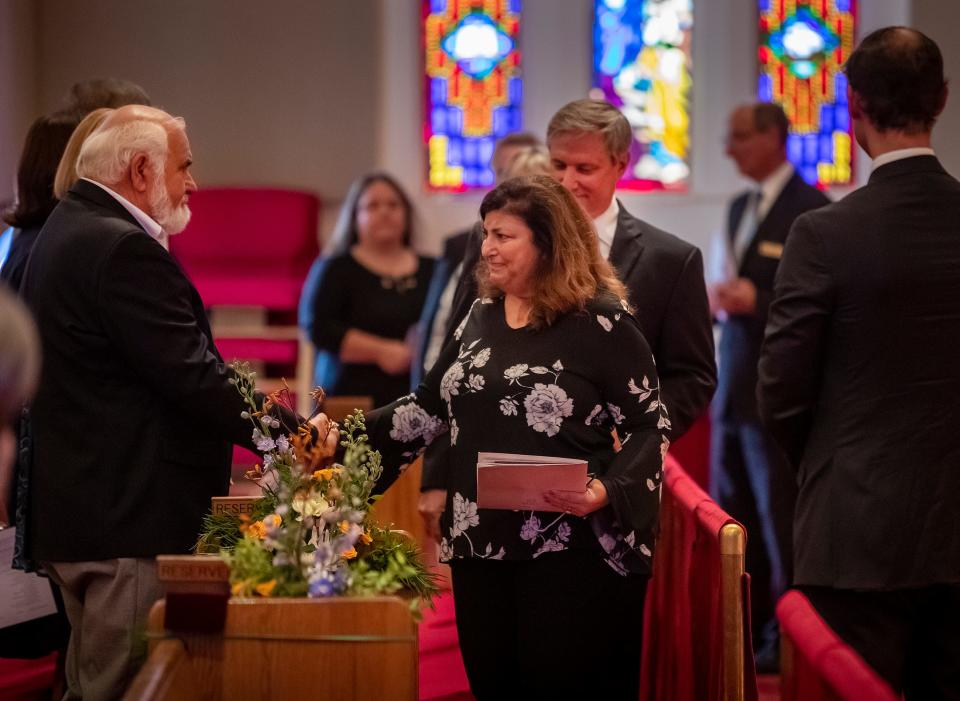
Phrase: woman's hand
(328, 434)
(579, 503)
(395, 357)
(431, 506)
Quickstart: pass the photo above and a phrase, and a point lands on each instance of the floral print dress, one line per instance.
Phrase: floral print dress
(558, 391)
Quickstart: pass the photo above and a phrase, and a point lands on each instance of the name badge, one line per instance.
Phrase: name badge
(770, 249)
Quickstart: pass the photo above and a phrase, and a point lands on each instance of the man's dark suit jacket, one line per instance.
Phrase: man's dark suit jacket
(860, 381)
(134, 416)
(742, 334)
(664, 277)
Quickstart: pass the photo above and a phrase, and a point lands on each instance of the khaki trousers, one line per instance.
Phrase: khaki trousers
(107, 603)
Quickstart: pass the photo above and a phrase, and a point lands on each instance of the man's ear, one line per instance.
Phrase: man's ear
(621, 162)
(854, 105)
(139, 171)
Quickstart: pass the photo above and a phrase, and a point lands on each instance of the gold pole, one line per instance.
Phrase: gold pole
(732, 549)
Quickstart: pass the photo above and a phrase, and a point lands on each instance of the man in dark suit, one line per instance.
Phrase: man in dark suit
(749, 475)
(859, 381)
(589, 142)
(135, 413)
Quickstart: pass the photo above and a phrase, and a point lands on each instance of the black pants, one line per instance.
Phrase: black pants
(561, 626)
(911, 637)
(751, 479)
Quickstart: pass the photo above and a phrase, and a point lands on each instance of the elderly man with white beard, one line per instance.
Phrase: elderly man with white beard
(134, 416)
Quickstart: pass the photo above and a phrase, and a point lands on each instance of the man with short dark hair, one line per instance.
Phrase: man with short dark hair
(749, 475)
(859, 381)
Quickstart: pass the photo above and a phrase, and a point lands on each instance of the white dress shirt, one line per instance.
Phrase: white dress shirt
(772, 186)
(900, 154)
(606, 225)
(143, 219)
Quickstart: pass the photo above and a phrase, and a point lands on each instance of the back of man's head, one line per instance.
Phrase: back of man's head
(770, 116)
(126, 132)
(88, 95)
(594, 116)
(896, 75)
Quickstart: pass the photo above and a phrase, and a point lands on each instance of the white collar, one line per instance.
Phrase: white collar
(606, 225)
(772, 185)
(900, 154)
(143, 219)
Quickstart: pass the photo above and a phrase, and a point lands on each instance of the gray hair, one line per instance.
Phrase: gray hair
(19, 355)
(594, 116)
(106, 155)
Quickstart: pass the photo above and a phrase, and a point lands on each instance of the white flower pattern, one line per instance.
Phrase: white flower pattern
(547, 406)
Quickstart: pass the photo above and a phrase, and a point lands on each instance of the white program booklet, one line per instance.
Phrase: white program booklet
(23, 596)
(518, 482)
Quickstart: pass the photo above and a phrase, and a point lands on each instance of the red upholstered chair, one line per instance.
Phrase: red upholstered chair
(816, 665)
(696, 629)
(248, 250)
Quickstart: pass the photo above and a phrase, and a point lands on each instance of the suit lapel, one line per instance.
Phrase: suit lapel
(85, 190)
(627, 246)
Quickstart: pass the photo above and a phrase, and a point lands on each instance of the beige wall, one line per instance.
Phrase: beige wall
(940, 20)
(17, 86)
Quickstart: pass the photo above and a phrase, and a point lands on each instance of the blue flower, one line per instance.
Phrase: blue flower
(262, 442)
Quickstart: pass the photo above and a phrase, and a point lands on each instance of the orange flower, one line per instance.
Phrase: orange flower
(344, 526)
(365, 538)
(272, 521)
(326, 474)
(256, 529)
(266, 588)
(349, 554)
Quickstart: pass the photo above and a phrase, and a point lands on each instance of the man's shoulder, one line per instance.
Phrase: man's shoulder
(652, 237)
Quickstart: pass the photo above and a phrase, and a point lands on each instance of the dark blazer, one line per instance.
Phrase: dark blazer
(664, 277)
(134, 415)
(16, 263)
(742, 334)
(859, 381)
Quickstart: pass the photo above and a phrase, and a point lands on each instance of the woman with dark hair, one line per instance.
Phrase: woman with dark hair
(371, 292)
(41, 155)
(548, 362)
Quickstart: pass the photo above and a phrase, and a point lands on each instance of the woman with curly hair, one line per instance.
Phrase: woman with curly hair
(549, 361)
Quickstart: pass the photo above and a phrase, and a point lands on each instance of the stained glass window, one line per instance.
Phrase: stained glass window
(642, 64)
(803, 46)
(472, 87)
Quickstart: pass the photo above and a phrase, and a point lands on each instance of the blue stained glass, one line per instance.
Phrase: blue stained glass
(471, 177)
(765, 89)
(810, 148)
(826, 118)
(794, 148)
(826, 148)
(485, 150)
(515, 6)
(842, 118)
(455, 151)
(515, 90)
(501, 121)
(438, 91)
(516, 118)
(486, 177)
(809, 174)
(438, 5)
(764, 5)
(469, 152)
(840, 88)
(842, 5)
(438, 120)
(454, 121)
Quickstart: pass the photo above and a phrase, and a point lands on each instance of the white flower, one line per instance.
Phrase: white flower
(464, 515)
(596, 417)
(604, 322)
(410, 421)
(309, 504)
(664, 447)
(546, 407)
(550, 546)
(508, 406)
(283, 444)
(615, 413)
(454, 431)
(558, 366)
(563, 532)
(651, 485)
(643, 393)
(481, 358)
(531, 528)
(446, 550)
(450, 383)
(475, 382)
(645, 550)
(515, 372)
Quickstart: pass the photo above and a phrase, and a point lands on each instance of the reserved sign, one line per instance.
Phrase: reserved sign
(233, 506)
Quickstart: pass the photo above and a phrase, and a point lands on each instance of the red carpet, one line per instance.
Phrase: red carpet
(442, 676)
(27, 680)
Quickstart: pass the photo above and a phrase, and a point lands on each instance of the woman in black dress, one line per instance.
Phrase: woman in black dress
(549, 361)
(371, 293)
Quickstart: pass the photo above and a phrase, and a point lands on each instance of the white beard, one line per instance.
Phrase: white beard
(172, 219)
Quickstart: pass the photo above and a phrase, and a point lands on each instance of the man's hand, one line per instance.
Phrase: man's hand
(329, 432)
(394, 357)
(736, 297)
(579, 503)
(431, 506)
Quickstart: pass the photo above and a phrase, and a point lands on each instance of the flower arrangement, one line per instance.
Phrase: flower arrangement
(311, 533)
